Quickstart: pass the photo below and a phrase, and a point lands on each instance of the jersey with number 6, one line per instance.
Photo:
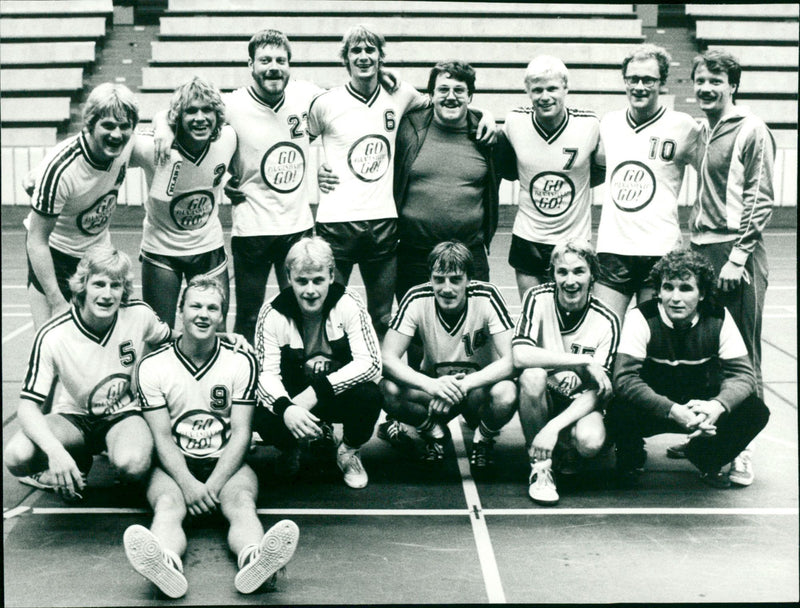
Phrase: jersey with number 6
(554, 171)
(182, 207)
(271, 160)
(199, 399)
(358, 135)
(644, 171)
(463, 346)
(94, 371)
(80, 192)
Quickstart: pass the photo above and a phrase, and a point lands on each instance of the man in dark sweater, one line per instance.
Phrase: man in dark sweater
(682, 367)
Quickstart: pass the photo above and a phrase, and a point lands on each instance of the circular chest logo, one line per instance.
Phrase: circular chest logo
(283, 167)
(369, 158)
(201, 433)
(92, 221)
(552, 193)
(191, 211)
(111, 395)
(632, 186)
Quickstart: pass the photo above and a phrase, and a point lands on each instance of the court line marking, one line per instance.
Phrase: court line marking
(483, 542)
(18, 331)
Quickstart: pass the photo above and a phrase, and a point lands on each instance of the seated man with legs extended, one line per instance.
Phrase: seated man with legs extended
(683, 367)
(465, 330)
(90, 351)
(320, 363)
(565, 340)
(198, 397)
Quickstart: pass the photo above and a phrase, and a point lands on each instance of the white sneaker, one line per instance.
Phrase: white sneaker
(541, 487)
(274, 551)
(741, 471)
(148, 558)
(349, 461)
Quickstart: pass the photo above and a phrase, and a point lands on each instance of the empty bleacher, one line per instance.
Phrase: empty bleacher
(49, 54)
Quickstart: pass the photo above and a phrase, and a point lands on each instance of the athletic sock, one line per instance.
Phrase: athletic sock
(483, 432)
(173, 557)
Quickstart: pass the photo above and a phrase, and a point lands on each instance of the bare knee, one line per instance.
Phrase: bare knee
(391, 397)
(19, 455)
(533, 384)
(503, 398)
(238, 502)
(170, 505)
(589, 438)
(131, 464)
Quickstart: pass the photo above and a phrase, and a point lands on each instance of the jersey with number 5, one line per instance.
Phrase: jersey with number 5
(644, 170)
(554, 171)
(199, 399)
(271, 160)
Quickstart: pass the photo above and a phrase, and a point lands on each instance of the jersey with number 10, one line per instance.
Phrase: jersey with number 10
(271, 160)
(644, 171)
(554, 171)
(358, 135)
(198, 399)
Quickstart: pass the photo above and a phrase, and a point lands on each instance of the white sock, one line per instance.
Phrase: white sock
(245, 554)
(174, 557)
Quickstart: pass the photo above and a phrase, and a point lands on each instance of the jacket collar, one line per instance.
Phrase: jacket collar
(286, 304)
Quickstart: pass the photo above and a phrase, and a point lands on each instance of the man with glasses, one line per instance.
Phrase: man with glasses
(645, 150)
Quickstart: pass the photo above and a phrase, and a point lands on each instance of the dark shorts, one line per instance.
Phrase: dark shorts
(64, 265)
(625, 273)
(529, 257)
(255, 252)
(94, 430)
(201, 468)
(212, 263)
(364, 241)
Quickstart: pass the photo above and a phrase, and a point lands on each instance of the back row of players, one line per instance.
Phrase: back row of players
(554, 151)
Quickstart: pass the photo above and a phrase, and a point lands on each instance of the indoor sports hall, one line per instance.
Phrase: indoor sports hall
(420, 532)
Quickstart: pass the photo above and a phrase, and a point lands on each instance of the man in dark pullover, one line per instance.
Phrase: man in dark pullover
(682, 367)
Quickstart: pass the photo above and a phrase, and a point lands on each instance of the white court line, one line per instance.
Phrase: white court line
(649, 511)
(18, 331)
(491, 573)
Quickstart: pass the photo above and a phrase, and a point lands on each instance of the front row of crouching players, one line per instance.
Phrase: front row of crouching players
(682, 367)
(198, 396)
(319, 361)
(465, 330)
(564, 342)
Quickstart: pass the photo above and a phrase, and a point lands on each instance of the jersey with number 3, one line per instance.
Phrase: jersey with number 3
(182, 207)
(644, 171)
(358, 135)
(271, 160)
(554, 171)
(199, 399)
(464, 345)
(94, 371)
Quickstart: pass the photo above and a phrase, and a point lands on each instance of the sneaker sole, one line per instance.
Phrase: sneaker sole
(276, 549)
(741, 481)
(545, 503)
(146, 556)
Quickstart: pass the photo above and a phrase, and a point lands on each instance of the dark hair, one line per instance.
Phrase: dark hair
(268, 38)
(650, 51)
(682, 263)
(458, 70)
(718, 61)
(451, 256)
(361, 33)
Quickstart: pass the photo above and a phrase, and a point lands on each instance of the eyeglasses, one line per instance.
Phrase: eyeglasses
(647, 81)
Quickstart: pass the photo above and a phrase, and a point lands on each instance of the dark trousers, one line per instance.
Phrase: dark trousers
(628, 424)
(357, 409)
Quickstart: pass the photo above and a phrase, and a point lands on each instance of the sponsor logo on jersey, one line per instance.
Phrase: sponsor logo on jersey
(552, 193)
(201, 433)
(191, 211)
(173, 178)
(283, 167)
(92, 221)
(369, 158)
(111, 395)
(632, 186)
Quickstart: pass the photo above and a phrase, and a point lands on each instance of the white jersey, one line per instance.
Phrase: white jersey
(271, 160)
(358, 135)
(554, 172)
(94, 370)
(644, 171)
(465, 346)
(182, 207)
(199, 399)
(80, 191)
(596, 333)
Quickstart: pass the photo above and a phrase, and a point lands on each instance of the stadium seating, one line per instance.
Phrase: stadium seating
(34, 110)
(47, 53)
(747, 11)
(43, 136)
(68, 80)
(55, 28)
(56, 8)
(762, 56)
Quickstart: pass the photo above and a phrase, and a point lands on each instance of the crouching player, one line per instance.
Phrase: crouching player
(198, 397)
(565, 341)
(91, 351)
(465, 329)
(683, 367)
(320, 363)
